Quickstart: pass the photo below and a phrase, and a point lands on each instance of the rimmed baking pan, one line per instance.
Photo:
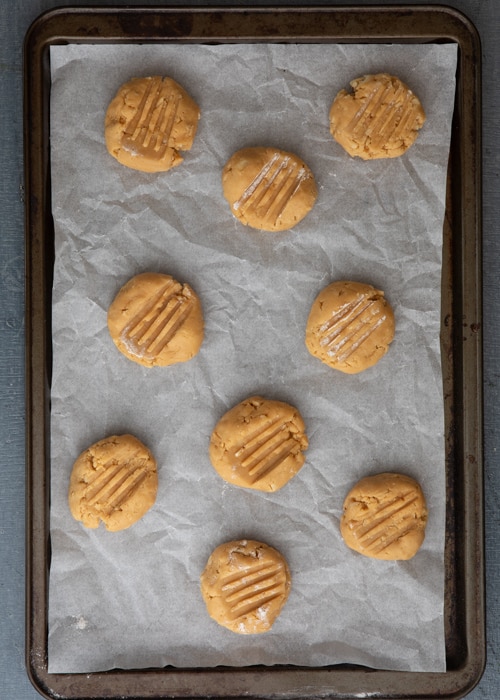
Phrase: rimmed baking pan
(460, 333)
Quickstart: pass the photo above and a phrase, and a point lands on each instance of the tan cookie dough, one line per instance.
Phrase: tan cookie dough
(148, 122)
(268, 189)
(259, 444)
(114, 480)
(385, 517)
(381, 118)
(350, 326)
(245, 585)
(156, 321)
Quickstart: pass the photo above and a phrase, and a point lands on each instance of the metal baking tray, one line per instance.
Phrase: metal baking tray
(461, 332)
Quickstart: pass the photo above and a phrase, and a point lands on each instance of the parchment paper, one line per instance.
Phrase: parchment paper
(131, 599)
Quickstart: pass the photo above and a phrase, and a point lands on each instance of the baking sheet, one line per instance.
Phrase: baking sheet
(131, 599)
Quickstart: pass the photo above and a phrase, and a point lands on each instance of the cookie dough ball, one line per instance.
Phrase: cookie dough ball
(245, 585)
(259, 444)
(268, 189)
(385, 517)
(350, 326)
(381, 118)
(148, 122)
(156, 321)
(114, 480)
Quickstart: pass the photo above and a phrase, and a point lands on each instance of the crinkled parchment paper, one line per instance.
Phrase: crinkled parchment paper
(131, 599)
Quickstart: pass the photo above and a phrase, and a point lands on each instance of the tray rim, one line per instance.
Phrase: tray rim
(77, 25)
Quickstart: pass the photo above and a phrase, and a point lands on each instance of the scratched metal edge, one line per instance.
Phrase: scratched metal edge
(461, 345)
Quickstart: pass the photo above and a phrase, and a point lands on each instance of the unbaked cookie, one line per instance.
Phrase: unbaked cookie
(114, 480)
(148, 122)
(268, 189)
(350, 326)
(156, 321)
(245, 585)
(381, 118)
(259, 444)
(385, 517)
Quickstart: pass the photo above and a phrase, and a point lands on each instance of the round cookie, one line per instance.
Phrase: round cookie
(148, 121)
(350, 326)
(114, 480)
(381, 118)
(156, 321)
(259, 444)
(245, 585)
(268, 189)
(385, 517)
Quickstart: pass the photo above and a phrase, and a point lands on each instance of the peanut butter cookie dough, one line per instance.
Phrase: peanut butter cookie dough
(381, 118)
(385, 517)
(245, 585)
(259, 444)
(156, 321)
(268, 189)
(148, 122)
(114, 480)
(350, 326)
